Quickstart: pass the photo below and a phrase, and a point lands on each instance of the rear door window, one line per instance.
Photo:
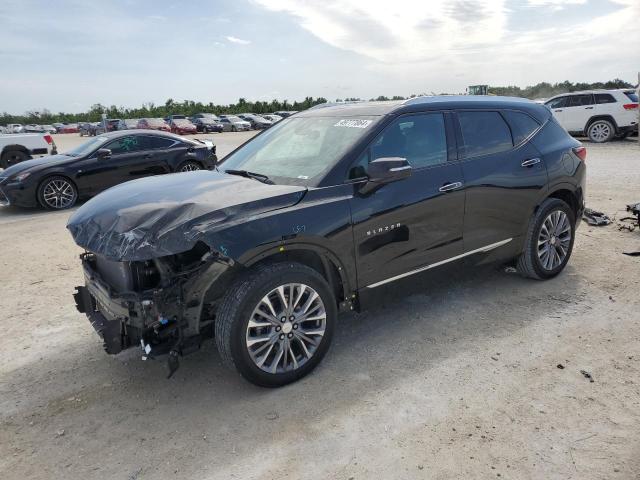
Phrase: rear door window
(580, 100)
(522, 125)
(604, 98)
(484, 133)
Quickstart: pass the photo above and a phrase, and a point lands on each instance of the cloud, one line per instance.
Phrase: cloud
(392, 32)
(237, 40)
(490, 41)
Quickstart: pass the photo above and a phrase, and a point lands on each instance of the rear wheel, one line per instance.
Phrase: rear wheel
(601, 131)
(234, 128)
(549, 241)
(275, 324)
(12, 157)
(57, 193)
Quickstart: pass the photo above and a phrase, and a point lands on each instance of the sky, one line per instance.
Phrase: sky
(70, 54)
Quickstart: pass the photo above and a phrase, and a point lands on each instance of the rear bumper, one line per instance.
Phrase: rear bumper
(628, 129)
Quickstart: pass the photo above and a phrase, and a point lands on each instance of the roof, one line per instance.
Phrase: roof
(123, 133)
(416, 104)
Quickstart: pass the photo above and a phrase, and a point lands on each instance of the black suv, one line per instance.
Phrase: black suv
(314, 215)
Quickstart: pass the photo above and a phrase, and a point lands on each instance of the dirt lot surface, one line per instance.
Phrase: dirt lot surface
(454, 375)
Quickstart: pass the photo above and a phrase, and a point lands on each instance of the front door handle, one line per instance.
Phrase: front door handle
(447, 187)
(531, 162)
(557, 110)
(588, 108)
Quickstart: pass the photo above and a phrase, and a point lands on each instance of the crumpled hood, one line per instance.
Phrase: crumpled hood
(165, 215)
(36, 164)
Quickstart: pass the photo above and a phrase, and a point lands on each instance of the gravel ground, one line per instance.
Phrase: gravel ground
(451, 375)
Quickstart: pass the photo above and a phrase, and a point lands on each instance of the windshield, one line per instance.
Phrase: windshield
(297, 151)
(233, 118)
(87, 147)
(156, 122)
(181, 121)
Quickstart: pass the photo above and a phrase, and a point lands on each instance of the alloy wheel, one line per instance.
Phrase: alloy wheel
(190, 167)
(58, 194)
(286, 328)
(600, 132)
(554, 240)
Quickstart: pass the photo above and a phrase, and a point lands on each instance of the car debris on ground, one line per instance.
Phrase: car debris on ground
(587, 375)
(595, 218)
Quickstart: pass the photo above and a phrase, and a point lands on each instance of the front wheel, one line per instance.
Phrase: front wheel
(275, 324)
(57, 193)
(549, 240)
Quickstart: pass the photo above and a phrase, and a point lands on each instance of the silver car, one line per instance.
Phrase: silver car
(231, 123)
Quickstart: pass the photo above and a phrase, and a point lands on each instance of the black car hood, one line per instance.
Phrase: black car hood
(166, 215)
(37, 164)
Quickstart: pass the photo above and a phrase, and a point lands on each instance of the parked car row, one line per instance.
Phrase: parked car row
(179, 124)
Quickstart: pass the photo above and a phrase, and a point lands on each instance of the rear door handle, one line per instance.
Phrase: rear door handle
(447, 187)
(531, 162)
(588, 108)
(557, 110)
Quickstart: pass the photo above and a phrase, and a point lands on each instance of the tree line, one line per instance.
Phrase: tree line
(190, 107)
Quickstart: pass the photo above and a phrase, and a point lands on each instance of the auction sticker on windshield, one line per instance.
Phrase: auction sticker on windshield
(353, 123)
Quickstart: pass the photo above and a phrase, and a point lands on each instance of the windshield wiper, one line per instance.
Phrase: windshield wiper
(256, 176)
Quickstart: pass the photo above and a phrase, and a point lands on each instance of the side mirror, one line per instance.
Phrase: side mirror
(103, 153)
(385, 170)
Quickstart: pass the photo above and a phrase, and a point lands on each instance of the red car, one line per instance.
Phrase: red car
(153, 124)
(182, 126)
(69, 128)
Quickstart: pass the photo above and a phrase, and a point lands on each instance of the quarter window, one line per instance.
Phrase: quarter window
(522, 125)
(484, 133)
(604, 98)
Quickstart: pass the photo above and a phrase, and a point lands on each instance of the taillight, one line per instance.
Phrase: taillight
(581, 152)
(630, 106)
(48, 139)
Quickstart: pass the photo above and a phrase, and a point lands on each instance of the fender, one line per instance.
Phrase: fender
(251, 258)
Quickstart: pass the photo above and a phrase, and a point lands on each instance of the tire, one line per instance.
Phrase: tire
(237, 324)
(234, 128)
(601, 131)
(189, 166)
(57, 193)
(12, 157)
(556, 241)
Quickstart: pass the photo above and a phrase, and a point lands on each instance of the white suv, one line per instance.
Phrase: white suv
(598, 114)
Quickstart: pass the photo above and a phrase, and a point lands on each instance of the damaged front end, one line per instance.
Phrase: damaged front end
(165, 305)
